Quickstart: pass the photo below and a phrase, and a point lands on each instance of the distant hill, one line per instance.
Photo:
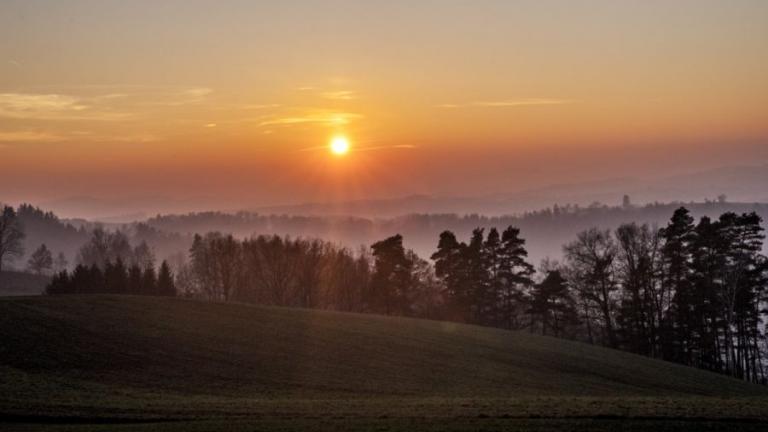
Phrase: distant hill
(738, 183)
(545, 231)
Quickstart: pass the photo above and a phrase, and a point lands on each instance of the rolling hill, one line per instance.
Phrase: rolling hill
(127, 359)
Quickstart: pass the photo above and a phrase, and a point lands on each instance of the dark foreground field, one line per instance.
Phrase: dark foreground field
(145, 364)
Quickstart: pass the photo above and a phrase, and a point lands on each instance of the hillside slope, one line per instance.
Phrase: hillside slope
(202, 349)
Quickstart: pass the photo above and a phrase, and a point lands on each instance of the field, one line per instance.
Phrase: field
(84, 363)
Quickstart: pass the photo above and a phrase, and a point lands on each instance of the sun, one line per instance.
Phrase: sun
(339, 145)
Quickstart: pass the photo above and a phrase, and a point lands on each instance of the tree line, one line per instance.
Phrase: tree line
(689, 292)
(114, 278)
(310, 273)
(109, 264)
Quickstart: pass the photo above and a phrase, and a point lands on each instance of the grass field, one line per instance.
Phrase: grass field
(86, 363)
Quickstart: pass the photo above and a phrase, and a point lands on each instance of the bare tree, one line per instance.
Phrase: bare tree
(591, 259)
(41, 260)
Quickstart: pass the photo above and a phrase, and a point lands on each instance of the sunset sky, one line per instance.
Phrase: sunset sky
(234, 103)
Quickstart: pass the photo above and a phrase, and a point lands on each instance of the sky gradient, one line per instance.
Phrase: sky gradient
(233, 103)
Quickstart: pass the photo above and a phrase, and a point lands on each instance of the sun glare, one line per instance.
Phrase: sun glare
(339, 145)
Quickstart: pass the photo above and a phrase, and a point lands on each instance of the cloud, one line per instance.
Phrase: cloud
(110, 106)
(259, 106)
(21, 103)
(509, 103)
(323, 118)
(178, 98)
(29, 136)
(198, 92)
(52, 107)
(339, 95)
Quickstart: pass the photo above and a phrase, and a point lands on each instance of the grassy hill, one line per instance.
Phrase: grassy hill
(119, 359)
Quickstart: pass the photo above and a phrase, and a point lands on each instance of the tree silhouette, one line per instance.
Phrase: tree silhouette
(591, 257)
(165, 285)
(391, 282)
(41, 260)
(551, 303)
(11, 235)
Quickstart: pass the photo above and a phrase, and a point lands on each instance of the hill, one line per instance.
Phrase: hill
(111, 358)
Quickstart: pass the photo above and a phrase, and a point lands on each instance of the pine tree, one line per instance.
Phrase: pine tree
(149, 281)
(475, 262)
(551, 302)
(451, 269)
(165, 285)
(392, 276)
(677, 330)
(134, 282)
(60, 284)
(491, 301)
(515, 274)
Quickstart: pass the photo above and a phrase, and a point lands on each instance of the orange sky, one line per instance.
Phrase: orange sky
(235, 102)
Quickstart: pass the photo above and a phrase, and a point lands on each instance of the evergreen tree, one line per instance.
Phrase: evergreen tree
(451, 269)
(60, 284)
(677, 331)
(165, 285)
(134, 281)
(550, 301)
(491, 300)
(515, 275)
(149, 281)
(392, 276)
(476, 265)
(115, 278)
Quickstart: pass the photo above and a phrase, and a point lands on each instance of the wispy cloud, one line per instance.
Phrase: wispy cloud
(110, 106)
(509, 103)
(323, 118)
(52, 107)
(199, 92)
(339, 95)
(21, 103)
(259, 106)
(29, 136)
(177, 98)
